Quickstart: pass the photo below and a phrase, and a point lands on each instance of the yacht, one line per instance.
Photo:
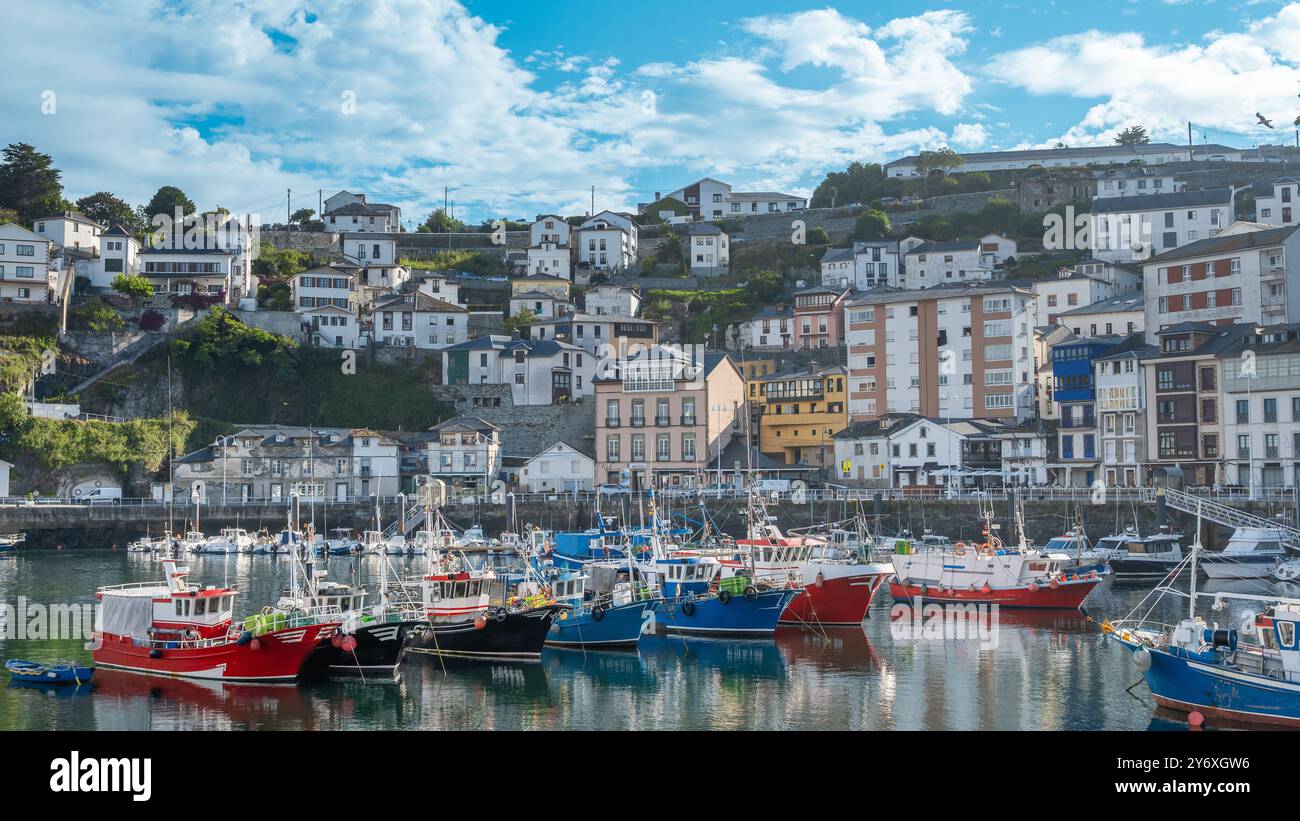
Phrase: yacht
(1251, 553)
(1131, 554)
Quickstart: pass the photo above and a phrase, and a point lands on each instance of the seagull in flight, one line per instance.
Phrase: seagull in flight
(1263, 121)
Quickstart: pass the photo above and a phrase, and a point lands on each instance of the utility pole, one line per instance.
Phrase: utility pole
(593, 202)
(288, 207)
(1189, 141)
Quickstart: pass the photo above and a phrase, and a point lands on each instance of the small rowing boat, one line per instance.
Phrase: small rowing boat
(37, 671)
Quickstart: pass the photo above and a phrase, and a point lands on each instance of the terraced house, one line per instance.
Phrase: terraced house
(799, 413)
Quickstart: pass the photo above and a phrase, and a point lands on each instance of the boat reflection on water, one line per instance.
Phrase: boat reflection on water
(628, 669)
(132, 701)
(679, 656)
(831, 649)
(59, 691)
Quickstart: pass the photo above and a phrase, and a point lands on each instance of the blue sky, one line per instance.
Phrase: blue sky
(521, 107)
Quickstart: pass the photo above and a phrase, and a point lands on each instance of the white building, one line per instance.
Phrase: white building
(612, 300)
(608, 241)
(465, 452)
(944, 263)
(1122, 315)
(1025, 452)
(1278, 203)
(119, 253)
(324, 285)
(538, 373)
(70, 229)
(4, 478)
(1078, 287)
(25, 272)
(346, 211)
(207, 272)
(745, 203)
(1135, 181)
(996, 249)
(1261, 408)
(417, 320)
(771, 329)
(332, 327)
(549, 229)
(863, 265)
(543, 304)
(1125, 229)
(710, 199)
(439, 286)
(1121, 406)
(561, 468)
(1248, 273)
(708, 250)
(369, 250)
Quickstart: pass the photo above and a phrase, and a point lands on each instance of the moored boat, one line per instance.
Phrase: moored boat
(49, 673)
(989, 572)
(177, 629)
(1251, 553)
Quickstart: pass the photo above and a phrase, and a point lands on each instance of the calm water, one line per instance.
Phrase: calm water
(1049, 671)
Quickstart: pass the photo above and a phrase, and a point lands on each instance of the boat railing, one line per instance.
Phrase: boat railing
(160, 585)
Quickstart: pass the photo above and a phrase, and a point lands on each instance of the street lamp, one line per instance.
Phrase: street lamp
(1250, 437)
(224, 442)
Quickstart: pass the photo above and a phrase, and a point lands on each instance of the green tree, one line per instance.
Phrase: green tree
(165, 201)
(440, 223)
(133, 286)
(520, 321)
(871, 226)
(302, 215)
(818, 236)
(942, 160)
(108, 210)
(29, 182)
(97, 315)
(1133, 135)
(8, 215)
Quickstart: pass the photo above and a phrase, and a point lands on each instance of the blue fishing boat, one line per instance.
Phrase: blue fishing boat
(1206, 667)
(48, 673)
(609, 615)
(696, 600)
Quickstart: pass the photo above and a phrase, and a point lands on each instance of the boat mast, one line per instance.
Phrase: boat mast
(1196, 548)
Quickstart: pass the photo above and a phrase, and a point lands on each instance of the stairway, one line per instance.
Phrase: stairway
(1229, 516)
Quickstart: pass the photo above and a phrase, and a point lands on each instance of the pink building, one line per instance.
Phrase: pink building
(819, 317)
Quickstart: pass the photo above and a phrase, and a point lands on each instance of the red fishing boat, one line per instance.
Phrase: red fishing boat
(173, 628)
(989, 572)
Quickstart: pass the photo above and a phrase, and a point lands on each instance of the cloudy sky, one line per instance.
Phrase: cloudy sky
(522, 107)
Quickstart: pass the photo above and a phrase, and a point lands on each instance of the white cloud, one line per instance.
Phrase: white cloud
(969, 135)
(1219, 83)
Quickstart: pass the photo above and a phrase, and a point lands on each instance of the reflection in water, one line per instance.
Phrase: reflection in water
(1045, 670)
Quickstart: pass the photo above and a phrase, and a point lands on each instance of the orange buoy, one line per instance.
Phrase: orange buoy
(1054, 584)
(255, 644)
(986, 589)
(349, 643)
(480, 622)
(1033, 587)
(1195, 718)
(336, 640)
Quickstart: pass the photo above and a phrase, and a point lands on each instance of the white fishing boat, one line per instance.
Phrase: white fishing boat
(1251, 553)
(230, 540)
(8, 541)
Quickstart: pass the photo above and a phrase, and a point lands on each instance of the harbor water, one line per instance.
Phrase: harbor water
(1036, 670)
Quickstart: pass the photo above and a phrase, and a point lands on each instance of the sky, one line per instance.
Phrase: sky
(521, 108)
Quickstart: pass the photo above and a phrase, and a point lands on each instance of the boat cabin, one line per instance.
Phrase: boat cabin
(456, 596)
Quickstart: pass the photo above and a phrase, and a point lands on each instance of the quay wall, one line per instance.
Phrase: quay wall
(101, 527)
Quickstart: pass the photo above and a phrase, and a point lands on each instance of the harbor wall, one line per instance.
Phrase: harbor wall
(81, 526)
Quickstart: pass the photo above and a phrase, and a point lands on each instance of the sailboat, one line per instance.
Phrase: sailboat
(1209, 667)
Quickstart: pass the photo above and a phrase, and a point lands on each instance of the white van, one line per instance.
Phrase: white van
(102, 496)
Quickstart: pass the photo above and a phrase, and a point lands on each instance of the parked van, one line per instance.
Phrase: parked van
(102, 496)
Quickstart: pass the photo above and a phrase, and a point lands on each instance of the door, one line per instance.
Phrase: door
(340, 491)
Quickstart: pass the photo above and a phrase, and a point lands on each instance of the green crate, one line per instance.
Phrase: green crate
(735, 585)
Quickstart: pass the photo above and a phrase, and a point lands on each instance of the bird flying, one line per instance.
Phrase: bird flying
(1263, 121)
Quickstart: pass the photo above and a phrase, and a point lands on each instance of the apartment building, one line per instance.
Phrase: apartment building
(932, 264)
(1135, 181)
(1122, 315)
(708, 250)
(1127, 229)
(949, 352)
(862, 266)
(417, 320)
(608, 337)
(819, 317)
(1245, 274)
(540, 372)
(346, 211)
(664, 415)
(1261, 407)
(1277, 203)
(464, 452)
(25, 272)
(1121, 402)
(1184, 432)
(1075, 394)
(800, 412)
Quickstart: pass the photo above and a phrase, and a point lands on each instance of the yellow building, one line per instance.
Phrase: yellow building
(800, 413)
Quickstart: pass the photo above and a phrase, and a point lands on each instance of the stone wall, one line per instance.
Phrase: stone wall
(319, 243)
(284, 323)
(526, 430)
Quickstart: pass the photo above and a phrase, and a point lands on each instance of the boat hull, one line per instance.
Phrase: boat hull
(1133, 568)
(1186, 684)
(517, 637)
(741, 616)
(278, 656)
(379, 651)
(1068, 595)
(834, 601)
(1220, 566)
(619, 627)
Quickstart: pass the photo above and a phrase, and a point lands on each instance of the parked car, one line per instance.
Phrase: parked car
(610, 490)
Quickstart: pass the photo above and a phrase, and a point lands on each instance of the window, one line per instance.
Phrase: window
(1270, 410)
(1243, 411)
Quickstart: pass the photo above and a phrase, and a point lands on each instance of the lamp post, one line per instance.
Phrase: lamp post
(224, 442)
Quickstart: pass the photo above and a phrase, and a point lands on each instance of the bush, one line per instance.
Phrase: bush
(133, 286)
(152, 321)
(98, 316)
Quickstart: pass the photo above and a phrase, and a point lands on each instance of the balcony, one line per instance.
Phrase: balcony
(637, 422)
(612, 422)
(688, 422)
(663, 421)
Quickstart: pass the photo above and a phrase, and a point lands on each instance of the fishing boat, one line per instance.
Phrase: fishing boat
(370, 640)
(342, 543)
(193, 542)
(10, 541)
(49, 673)
(1242, 673)
(697, 600)
(607, 608)
(1251, 553)
(839, 582)
(989, 572)
(229, 540)
(1132, 554)
(174, 628)
(459, 618)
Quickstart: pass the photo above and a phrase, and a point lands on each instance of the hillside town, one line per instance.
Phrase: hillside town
(715, 338)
